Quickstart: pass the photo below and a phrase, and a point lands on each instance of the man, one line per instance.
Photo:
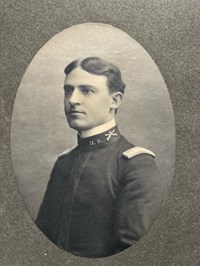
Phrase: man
(103, 194)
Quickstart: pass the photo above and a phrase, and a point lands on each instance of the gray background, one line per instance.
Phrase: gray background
(39, 131)
(169, 31)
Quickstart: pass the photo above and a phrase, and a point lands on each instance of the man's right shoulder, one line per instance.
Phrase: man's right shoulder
(66, 152)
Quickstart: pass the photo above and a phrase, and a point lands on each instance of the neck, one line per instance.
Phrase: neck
(97, 130)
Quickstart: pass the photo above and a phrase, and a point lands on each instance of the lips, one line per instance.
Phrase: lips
(73, 112)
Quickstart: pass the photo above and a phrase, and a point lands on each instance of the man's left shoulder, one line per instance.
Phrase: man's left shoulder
(131, 156)
(138, 163)
(135, 151)
(135, 157)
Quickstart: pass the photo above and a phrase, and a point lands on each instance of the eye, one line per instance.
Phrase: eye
(68, 90)
(86, 90)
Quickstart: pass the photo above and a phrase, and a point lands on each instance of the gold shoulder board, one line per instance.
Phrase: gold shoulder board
(136, 151)
(65, 152)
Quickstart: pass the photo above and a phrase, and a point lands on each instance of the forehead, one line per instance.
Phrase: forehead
(79, 76)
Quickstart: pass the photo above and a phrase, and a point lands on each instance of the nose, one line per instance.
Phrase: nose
(75, 97)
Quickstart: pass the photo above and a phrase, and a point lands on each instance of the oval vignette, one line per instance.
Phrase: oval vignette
(39, 131)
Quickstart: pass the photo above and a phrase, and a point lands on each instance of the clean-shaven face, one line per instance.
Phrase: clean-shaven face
(87, 100)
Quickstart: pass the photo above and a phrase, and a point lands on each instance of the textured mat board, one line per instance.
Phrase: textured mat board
(169, 31)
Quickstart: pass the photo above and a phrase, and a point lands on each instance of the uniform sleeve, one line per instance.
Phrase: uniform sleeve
(45, 217)
(139, 199)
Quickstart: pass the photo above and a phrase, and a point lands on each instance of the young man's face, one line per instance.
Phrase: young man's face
(88, 102)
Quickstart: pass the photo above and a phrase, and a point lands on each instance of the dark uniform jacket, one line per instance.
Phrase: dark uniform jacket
(98, 201)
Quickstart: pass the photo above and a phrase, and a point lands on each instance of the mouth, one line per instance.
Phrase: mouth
(75, 112)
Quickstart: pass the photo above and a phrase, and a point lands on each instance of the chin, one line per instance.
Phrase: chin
(77, 126)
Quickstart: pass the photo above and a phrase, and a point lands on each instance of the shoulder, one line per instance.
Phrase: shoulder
(62, 158)
(128, 151)
(138, 160)
(62, 162)
(135, 151)
(66, 152)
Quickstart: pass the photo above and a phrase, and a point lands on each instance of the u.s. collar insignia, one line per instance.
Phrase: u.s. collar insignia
(110, 134)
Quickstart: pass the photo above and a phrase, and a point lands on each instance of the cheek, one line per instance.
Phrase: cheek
(104, 101)
(66, 101)
(100, 108)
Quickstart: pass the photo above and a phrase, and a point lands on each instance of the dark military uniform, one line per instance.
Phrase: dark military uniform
(100, 199)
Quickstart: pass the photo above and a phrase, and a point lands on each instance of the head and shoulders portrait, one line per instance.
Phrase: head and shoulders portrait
(104, 191)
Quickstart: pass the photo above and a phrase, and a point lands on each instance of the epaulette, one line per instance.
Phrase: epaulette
(65, 152)
(136, 151)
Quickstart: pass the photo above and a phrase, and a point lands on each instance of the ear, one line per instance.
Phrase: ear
(116, 98)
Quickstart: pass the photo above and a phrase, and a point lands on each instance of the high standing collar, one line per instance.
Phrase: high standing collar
(101, 139)
(98, 130)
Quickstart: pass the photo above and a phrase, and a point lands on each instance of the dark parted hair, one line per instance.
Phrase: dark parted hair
(99, 66)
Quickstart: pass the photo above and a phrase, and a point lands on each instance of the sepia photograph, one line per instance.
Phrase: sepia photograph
(93, 140)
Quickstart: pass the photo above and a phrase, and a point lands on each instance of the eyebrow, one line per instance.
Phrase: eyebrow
(68, 86)
(88, 86)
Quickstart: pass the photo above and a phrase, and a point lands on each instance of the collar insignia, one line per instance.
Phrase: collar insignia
(110, 134)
